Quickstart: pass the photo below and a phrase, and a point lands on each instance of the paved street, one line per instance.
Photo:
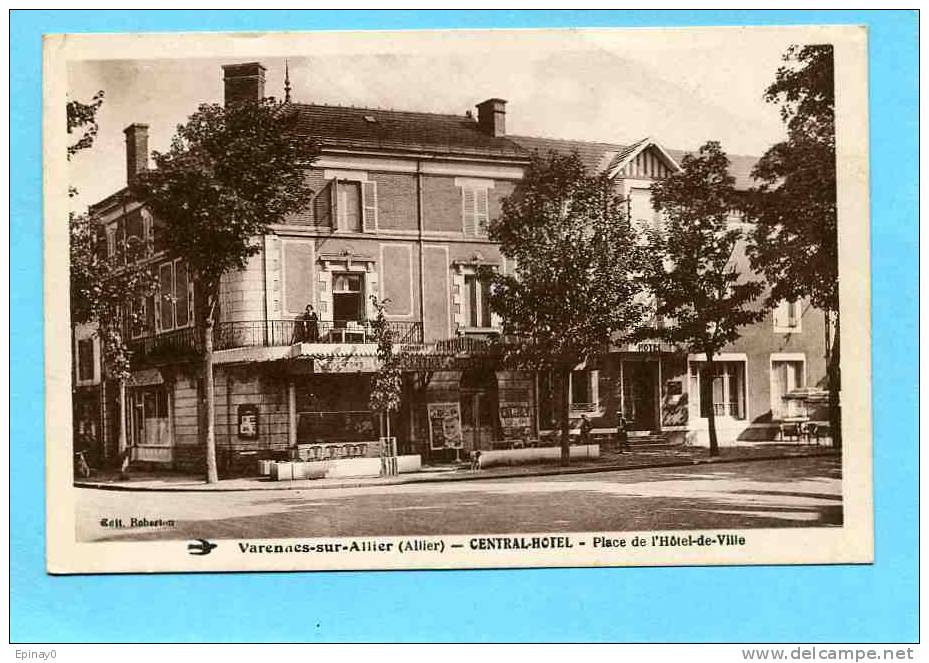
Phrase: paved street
(798, 492)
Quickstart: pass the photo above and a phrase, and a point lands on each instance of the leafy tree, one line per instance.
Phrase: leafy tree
(229, 174)
(102, 287)
(701, 298)
(387, 385)
(576, 258)
(82, 119)
(795, 243)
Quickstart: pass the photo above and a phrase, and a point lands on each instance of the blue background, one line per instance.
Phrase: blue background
(779, 604)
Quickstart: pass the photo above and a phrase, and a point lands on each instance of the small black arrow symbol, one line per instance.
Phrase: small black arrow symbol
(201, 547)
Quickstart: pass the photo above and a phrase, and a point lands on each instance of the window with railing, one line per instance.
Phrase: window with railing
(583, 391)
(723, 391)
(786, 375)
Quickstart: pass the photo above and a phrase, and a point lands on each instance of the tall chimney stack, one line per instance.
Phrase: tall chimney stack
(136, 151)
(491, 117)
(243, 82)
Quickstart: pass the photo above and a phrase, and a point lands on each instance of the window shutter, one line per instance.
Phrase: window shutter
(369, 205)
(480, 211)
(149, 234)
(324, 205)
(469, 211)
(780, 315)
(110, 242)
(190, 301)
(156, 304)
(793, 313)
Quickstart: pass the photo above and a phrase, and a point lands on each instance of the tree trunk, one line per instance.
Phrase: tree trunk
(835, 383)
(711, 419)
(212, 475)
(564, 385)
(123, 442)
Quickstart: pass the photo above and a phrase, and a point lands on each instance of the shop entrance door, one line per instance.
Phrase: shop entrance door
(150, 425)
(478, 409)
(640, 399)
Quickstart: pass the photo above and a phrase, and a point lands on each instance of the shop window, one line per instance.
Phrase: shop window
(723, 392)
(787, 316)
(785, 377)
(476, 301)
(85, 359)
(150, 416)
(348, 298)
(584, 388)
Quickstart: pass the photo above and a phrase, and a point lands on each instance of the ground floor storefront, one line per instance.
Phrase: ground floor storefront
(318, 409)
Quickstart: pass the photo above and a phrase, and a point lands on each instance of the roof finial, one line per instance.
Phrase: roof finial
(286, 83)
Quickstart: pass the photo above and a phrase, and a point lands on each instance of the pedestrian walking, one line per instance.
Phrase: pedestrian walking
(586, 427)
(622, 437)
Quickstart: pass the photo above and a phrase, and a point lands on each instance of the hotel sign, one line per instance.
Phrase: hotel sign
(345, 365)
(651, 348)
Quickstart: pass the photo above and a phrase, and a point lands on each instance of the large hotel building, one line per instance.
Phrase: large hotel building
(401, 200)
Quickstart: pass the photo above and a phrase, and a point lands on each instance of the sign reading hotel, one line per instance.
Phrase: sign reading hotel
(444, 426)
(345, 365)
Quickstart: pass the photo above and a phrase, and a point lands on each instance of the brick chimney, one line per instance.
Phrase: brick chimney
(491, 117)
(243, 82)
(136, 151)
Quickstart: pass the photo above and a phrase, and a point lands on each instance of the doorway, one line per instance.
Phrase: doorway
(150, 428)
(640, 395)
(478, 399)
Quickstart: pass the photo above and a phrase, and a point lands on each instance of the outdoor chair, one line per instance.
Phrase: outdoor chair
(809, 431)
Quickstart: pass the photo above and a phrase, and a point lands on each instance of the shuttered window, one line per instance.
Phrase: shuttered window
(369, 196)
(474, 210)
(787, 316)
(347, 205)
(324, 204)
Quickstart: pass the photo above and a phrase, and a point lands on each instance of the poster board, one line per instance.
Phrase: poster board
(516, 420)
(444, 426)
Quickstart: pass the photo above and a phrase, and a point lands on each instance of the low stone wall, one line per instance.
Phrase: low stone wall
(536, 455)
(342, 468)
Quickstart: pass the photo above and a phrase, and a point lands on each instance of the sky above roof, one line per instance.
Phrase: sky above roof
(682, 87)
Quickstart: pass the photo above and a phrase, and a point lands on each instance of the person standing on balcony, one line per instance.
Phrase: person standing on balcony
(311, 324)
(307, 327)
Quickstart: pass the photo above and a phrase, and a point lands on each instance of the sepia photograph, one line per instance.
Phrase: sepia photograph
(457, 299)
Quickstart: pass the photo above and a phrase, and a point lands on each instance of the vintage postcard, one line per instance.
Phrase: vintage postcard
(457, 299)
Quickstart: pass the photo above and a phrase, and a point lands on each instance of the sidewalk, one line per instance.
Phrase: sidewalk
(609, 461)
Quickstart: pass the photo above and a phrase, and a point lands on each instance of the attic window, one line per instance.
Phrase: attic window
(371, 119)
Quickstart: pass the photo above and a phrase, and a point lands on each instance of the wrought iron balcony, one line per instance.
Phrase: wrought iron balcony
(184, 343)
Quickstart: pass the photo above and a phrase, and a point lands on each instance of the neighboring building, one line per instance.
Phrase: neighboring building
(399, 211)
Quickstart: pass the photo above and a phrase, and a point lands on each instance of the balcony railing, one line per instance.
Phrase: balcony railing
(269, 333)
(727, 410)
